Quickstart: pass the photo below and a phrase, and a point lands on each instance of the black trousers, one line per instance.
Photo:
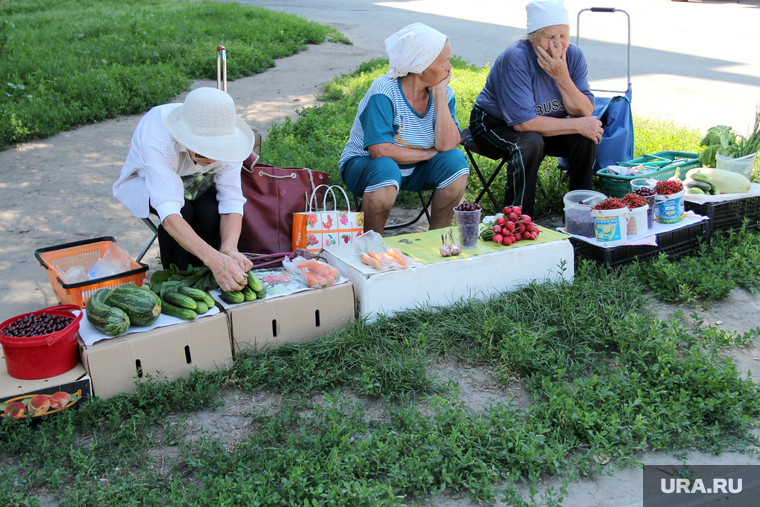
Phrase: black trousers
(203, 216)
(525, 151)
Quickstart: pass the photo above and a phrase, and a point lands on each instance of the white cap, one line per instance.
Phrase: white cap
(543, 13)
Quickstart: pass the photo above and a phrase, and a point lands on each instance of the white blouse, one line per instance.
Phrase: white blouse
(154, 167)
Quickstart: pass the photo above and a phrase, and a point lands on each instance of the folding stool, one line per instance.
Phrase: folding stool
(471, 147)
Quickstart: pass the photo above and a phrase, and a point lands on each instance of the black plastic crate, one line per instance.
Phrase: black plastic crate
(728, 215)
(678, 242)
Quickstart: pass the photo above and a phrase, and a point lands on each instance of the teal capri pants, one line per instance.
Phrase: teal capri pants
(367, 174)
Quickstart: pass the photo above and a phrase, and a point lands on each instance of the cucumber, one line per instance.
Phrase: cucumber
(177, 299)
(248, 293)
(695, 183)
(254, 283)
(262, 293)
(176, 311)
(701, 177)
(142, 306)
(107, 319)
(196, 294)
(695, 190)
(233, 297)
(201, 308)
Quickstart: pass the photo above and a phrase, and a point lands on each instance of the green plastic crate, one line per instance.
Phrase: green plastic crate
(663, 163)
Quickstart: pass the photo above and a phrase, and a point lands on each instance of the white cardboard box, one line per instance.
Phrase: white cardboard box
(167, 352)
(298, 317)
(445, 282)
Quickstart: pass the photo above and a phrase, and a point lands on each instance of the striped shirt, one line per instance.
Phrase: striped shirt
(385, 116)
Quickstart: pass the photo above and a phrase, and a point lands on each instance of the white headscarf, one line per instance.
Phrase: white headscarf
(543, 13)
(412, 49)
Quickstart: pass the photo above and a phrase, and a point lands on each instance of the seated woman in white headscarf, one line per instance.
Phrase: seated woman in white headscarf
(537, 102)
(202, 136)
(405, 133)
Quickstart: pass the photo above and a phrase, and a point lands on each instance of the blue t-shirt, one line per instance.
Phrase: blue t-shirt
(518, 89)
(385, 116)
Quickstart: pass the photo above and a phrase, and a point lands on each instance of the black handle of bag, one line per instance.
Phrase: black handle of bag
(578, 42)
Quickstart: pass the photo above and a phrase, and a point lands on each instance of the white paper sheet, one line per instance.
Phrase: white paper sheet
(690, 218)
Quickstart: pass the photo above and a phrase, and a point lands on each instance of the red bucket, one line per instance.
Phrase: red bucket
(44, 356)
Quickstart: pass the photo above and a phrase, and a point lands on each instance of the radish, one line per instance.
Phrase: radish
(526, 218)
(507, 210)
(517, 210)
(520, 228)
(527, 235)
(507, 241)
(510, 226)
(496, 229)
(513, 217)
(498, 238)
(501, 221)
(529, 227)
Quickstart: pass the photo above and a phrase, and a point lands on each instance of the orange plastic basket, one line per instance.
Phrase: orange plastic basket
(57, 259)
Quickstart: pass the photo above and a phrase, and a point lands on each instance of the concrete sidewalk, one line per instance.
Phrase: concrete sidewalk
(693, 63)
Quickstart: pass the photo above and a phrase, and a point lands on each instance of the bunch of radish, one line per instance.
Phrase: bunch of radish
(513, 226)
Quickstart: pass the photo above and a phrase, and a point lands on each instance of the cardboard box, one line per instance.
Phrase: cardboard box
(75, 383)
(445, 282)
(298, 317)
(168, 352)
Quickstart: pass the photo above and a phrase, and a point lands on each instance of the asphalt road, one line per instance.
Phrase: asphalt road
(692, 63)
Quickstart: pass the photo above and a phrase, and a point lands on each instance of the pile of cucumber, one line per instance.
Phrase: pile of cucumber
(185, 303)
(253, 290)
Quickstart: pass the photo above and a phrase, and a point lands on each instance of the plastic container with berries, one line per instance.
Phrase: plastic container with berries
(646, 188)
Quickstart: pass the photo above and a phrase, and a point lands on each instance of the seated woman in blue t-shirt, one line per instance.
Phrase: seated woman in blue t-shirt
(405, 134)
(537, 102)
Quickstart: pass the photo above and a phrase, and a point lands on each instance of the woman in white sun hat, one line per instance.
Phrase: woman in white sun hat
(202, 136)
(537, 102)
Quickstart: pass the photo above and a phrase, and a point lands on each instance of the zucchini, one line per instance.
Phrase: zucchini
(142, 306)
(177, 299)
(201, 308)
(248, 293)
(176, 311)
(233, 297)
(727, 182)
(107, 319)
(254, 283)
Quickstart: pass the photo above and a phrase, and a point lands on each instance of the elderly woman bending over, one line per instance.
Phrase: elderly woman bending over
(405, 134)
(537, 102)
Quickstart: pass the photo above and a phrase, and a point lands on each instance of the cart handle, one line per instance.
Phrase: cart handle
(578, 41)
(221, 56)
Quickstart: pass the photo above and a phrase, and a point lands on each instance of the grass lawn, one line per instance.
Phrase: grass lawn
(605, 378)
(66, 63)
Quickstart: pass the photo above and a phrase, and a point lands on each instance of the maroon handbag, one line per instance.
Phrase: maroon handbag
(272, 195)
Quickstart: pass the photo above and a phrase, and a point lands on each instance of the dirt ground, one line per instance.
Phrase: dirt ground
(58, 190)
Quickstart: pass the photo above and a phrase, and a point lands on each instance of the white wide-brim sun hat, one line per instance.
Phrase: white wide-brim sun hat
(207, 124)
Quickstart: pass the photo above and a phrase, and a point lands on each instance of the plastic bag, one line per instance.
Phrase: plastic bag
(74, 274)
(197, 185)
(313, 272)
(115, 261)
(375, 253)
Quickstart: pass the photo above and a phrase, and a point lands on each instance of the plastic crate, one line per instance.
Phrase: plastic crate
(678, 242)
(728, 216)
(664, 164)
(56, 259)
